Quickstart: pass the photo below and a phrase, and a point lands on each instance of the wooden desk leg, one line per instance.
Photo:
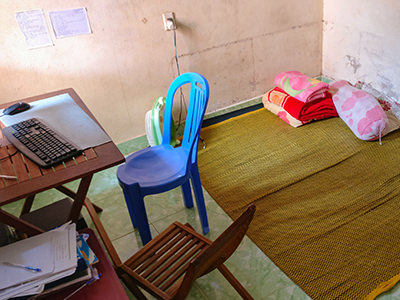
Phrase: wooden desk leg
(70, 193)
(27, 205)
(103, 234)
(19, 224)
(80, 198)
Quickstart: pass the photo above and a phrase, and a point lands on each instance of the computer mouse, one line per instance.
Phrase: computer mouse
(16, 108)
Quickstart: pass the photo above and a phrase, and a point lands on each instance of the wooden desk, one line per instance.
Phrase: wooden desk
(32, 179)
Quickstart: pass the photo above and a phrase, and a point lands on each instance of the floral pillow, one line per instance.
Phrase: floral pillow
(360, 111)
(389, 105)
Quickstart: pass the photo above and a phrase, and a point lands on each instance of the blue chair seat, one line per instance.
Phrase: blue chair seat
(158, 169)
(161, 168)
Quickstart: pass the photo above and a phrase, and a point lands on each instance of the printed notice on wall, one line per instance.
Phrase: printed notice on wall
(70, 22)
(33, 25)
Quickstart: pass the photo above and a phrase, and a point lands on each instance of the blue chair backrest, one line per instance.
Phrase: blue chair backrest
(199, 92)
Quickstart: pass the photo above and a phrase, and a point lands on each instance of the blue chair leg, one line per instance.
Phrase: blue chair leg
(137, 211)
(130, 208)
(187, 194)
(198, 192)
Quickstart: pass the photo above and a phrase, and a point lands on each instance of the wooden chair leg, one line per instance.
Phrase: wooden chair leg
(234, 282)
(102, 232)
(131, 285)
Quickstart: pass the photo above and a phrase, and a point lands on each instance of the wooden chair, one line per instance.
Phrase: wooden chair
(167, 266)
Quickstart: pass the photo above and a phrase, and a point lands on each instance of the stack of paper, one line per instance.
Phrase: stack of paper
(54, 252)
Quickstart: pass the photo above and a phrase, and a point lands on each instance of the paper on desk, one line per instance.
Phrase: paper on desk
(64, 247)
(33, 25)
(66, 117)
(53, 251)
(26, 289)
(38, 253)
(32, 288)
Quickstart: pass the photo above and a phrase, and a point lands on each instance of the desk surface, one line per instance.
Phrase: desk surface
(32, 179)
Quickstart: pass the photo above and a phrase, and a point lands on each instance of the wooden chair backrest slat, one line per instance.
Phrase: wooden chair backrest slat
(159, 241)
(172, 262)
(160, 257)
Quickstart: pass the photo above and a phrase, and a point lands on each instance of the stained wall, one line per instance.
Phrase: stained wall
(361, 43)
(128, 61)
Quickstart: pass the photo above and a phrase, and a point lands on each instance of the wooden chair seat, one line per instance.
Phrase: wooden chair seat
(167, 266)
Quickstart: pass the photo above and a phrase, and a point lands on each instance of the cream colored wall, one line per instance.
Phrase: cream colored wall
(361, 43)
(120, 69)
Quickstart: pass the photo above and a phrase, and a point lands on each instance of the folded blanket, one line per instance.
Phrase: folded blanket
(300, 86)
(314, 110)
(283, 114)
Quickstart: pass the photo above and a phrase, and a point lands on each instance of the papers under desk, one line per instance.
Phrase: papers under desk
(108, 286)
(53, 253)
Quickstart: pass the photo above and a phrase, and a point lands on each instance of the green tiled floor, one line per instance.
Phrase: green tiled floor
(251, 266)
(253, 269)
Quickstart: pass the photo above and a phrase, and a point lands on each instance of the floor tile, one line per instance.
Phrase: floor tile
(217, 222)
(13, 208)
(291, 292)
(114, 217)
(393, 294)
(131, 146)
(215, 286)
(256, 272)
(130, 243)
(104, 183)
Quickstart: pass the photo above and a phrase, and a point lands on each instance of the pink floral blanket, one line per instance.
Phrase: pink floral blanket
(300, 86)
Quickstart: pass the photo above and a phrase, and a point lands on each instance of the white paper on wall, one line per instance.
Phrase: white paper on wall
(70, 22)
(33, 25)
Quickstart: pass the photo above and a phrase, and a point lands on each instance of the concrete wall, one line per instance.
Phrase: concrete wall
(361, 43)
(128, 61)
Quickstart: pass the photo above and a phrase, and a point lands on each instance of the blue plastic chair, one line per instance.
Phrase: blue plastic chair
(161, 168)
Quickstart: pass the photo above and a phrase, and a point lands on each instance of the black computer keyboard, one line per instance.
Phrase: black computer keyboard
(40, 143)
